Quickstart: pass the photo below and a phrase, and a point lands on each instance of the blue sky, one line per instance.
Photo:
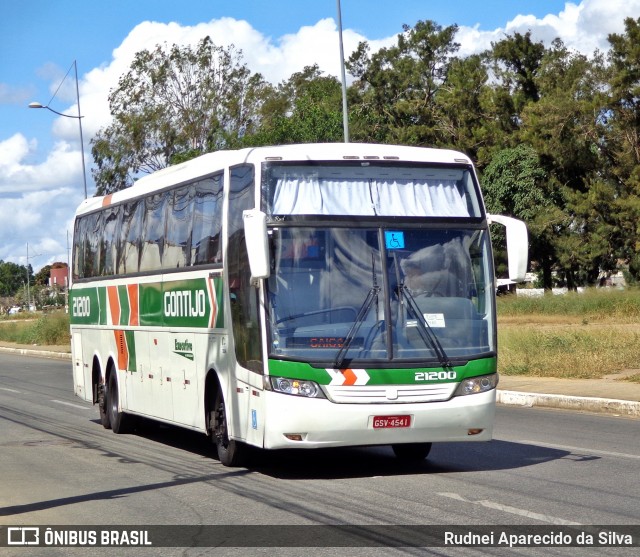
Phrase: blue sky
(40, 165)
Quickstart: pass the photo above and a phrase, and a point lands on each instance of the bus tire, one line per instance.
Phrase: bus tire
(102, 406)
(412, 452)
(119, 421)
(230, 451)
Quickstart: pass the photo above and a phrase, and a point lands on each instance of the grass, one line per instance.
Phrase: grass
(572, 336)
(48, 329)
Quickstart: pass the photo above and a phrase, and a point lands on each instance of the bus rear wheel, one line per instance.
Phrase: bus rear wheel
(102, 406)
(230, 451)
(412, 452)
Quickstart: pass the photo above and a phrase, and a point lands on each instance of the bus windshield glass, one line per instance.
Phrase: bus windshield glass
(369, 189)
(377, 294)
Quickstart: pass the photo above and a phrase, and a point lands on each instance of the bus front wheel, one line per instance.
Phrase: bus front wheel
(412, 452)
(230, 451)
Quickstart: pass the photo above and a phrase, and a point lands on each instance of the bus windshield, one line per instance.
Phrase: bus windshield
(377, 294)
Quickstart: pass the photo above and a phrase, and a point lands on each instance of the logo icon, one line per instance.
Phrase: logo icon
(23, 536)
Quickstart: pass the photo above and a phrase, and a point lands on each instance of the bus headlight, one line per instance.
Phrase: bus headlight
(475, 385)
(296, 387)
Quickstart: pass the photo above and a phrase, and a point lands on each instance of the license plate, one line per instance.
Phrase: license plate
(380, 422)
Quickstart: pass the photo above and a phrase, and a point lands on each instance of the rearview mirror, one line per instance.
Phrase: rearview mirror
(517, 245)
(255, 235)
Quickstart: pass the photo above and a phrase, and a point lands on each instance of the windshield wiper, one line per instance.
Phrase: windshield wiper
(424, 329)
(372, 296)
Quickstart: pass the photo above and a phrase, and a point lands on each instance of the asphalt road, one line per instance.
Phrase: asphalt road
(58, 466)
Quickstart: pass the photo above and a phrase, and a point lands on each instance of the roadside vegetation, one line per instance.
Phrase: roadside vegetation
(586, 335)
(41, 329)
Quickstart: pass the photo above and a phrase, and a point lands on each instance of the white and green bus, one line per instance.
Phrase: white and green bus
(300, 296)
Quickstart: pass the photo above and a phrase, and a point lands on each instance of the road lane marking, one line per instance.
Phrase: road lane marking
(71, 404)
(580, 450)
(10, 390)
(512, 510)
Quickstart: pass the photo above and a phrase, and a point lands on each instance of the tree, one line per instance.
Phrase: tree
(173, 104)
(623, 139)
(515, 184)
(464, 111)
(564, 127)
(307, 108)
(394, 94)
(518, 59)
(42, 276)
(13, 277)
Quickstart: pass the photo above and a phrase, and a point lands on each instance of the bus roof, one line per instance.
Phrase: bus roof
(211, 163)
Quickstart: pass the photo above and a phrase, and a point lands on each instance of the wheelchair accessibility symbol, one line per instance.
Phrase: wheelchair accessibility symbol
(394, 239)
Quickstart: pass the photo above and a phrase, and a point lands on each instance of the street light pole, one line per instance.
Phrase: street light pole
(345, 114)
(78, 117)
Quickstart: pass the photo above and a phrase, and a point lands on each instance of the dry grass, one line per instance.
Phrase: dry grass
(577, 351)
(574, 336)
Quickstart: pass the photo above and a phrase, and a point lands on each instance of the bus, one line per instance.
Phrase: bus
(299, 296)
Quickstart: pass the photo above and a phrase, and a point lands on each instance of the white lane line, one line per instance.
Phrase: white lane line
(70, 404)
(10, 390)
(580, 450)
(512, 510)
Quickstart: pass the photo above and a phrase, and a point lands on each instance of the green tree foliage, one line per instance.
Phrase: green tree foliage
(13, 277)
(514, 184)
(307, 108)
(42, 276)
(175, 103)
(395, 88)
(517, 61)
(623, 139)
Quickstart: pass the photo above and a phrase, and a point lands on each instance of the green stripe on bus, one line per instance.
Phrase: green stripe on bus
(131, 347)
(123, 297)
(398, 376)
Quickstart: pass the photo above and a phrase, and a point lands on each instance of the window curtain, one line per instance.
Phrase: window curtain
(410, 198)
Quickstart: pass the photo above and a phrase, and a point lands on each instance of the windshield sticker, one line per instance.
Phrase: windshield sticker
(435, 320)
(394, 239)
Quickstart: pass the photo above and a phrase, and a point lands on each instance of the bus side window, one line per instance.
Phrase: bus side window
(110, 240)
(153, 232)
(93, 231)
(177, 251)
(129, 249)
(206, 247)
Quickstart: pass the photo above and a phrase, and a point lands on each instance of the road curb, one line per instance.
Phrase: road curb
(585, 403)
(37, 353)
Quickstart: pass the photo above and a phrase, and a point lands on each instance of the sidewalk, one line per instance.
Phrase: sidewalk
(611, 394)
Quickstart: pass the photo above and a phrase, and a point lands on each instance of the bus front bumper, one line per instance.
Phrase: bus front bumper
(298, 422)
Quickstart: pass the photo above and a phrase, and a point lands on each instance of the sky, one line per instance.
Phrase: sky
(41, 180)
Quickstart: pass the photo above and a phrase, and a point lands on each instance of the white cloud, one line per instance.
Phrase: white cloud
(41, 220)
(17, 175)
(583, 27)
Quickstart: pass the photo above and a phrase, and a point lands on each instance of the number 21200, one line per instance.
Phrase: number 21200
(434, 375)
